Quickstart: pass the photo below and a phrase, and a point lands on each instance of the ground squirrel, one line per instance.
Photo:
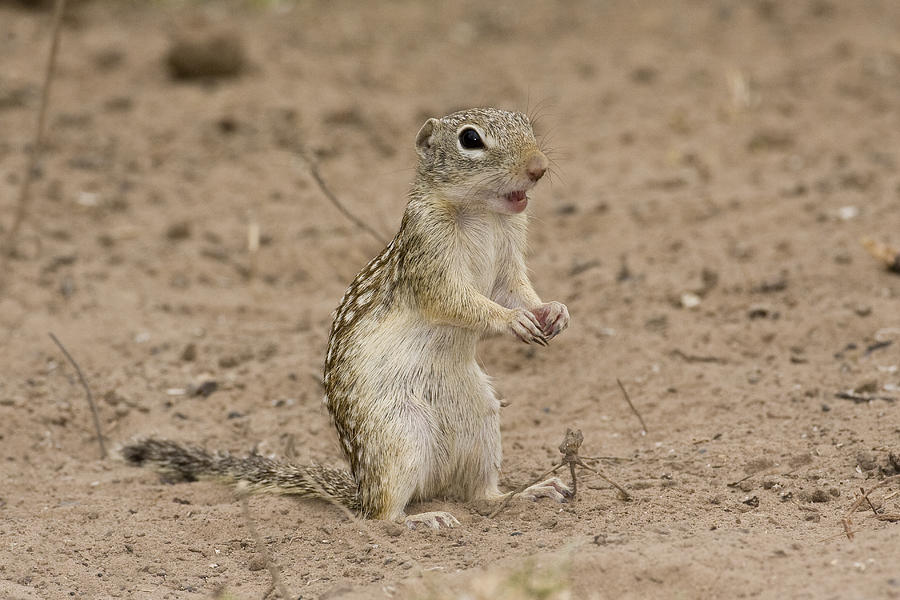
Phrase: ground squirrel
(416, 416)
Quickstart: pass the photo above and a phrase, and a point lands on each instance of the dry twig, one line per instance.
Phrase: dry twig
(872, 506)
(633, 409)
(569, 449)
(846, 521)
(87, 391)
(314, 171)
(862, 398)
(274, 571)
(38, 143)
(695, 358)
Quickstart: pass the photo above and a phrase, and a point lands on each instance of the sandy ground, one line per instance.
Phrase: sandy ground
(717, 164)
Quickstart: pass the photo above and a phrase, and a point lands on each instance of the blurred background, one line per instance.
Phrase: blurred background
(716, 164)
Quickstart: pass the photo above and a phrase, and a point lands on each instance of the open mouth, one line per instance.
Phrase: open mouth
(517, 200)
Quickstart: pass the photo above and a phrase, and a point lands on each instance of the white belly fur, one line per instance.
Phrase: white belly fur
(427, 378)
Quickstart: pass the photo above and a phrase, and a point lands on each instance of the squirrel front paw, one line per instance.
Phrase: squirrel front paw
(553, 317)
(525, 326)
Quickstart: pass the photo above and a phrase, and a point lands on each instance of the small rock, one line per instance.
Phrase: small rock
(778, 283)
(109, 58)
(228, 362)
(119, 104)
(179, 231)
(227, 124)
(206, 388)
(256, 564)
(657, 324)
(267, 352)
(817, 495)
(644, 74)
(867, 387)
(390, 529)
(863, 310)
(604, 539)
(690, 300)
(760, 311)
(845, 213)
(770, 141)
(189, 353)
(842, 257)
(217, 54)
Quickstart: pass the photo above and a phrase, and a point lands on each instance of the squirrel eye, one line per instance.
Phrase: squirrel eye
(470, 140)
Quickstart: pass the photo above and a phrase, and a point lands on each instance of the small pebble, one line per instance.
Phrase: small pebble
(219, 54)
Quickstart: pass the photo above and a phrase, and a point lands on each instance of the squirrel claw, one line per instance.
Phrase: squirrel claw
(527, 327)
(432, 520)
(552, 318)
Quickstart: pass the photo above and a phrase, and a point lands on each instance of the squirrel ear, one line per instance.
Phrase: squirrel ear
(424, 137)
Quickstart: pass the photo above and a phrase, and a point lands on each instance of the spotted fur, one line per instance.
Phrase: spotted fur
(416, 415)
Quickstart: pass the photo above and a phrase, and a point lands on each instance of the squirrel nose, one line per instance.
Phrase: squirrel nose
(536, 166)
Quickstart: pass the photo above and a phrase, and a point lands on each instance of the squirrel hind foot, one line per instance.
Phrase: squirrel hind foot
(432, 520)
(552, 488)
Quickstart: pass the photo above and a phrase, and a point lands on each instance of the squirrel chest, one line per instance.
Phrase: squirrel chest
(482, 247)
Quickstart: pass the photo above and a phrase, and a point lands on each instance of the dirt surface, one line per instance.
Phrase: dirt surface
(717, 164)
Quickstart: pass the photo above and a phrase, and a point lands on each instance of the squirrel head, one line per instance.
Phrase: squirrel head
(481, 156)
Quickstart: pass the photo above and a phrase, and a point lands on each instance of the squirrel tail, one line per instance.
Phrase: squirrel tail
(260, 473)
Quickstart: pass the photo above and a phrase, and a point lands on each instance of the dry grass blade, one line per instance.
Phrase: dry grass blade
(274, 571)
(25, 192)
(569, 449)
(623, 493)
(633, 409)
(87, 391)
(314, 171)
